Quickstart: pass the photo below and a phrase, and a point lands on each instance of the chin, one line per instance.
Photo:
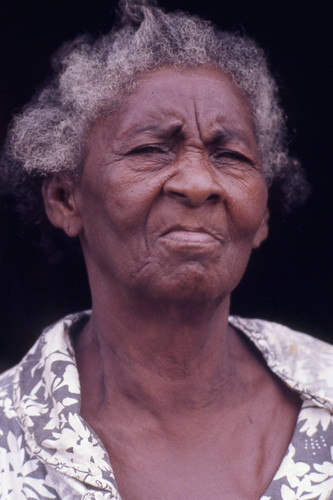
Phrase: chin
(190, 282)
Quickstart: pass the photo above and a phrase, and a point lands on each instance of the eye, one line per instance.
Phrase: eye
(231, 157)
(148, 149)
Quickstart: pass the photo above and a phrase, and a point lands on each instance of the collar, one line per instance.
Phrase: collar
(303, 362)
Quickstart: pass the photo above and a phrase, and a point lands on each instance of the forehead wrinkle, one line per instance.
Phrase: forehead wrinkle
(218, 129)
(218, 132)
(156, 129)
(196, 117)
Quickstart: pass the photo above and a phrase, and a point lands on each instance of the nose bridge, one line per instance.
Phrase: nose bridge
(194, 180)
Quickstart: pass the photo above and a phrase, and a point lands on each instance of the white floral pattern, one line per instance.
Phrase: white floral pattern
(47, 451)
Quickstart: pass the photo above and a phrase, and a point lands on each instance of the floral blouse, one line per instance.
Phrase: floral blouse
(47, 451)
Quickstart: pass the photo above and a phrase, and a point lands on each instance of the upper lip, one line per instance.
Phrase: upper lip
(205, 230)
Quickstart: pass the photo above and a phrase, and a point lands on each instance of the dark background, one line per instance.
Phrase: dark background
(290, 278)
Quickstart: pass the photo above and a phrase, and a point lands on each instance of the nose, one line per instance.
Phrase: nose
(194, 183)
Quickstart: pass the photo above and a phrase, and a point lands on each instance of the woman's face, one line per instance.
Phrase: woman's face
(172, 197)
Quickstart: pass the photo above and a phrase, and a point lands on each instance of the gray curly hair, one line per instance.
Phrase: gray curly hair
(91, 77)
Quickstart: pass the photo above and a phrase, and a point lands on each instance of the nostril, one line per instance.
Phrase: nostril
(214, 197)
(178, 194)
(199, 200)
(194, 198)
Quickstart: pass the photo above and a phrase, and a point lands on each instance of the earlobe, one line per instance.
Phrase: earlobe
(262, 231)
(60, 205)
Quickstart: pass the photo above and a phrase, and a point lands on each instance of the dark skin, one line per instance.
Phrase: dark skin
(171, 202)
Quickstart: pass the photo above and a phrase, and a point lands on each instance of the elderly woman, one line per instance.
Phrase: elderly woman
(156, 146)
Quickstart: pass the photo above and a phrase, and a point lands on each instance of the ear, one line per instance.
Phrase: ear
(61, 208)
(262, 231)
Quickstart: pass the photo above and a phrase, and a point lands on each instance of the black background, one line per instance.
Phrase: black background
(290, 278)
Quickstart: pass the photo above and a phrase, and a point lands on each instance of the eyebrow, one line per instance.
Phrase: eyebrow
(221, 134)
(227, 135)
(157, 129)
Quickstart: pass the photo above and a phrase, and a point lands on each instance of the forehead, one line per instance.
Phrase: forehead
(172, 97)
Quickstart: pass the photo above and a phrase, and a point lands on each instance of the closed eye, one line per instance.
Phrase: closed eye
(233, 156)
(148, 149)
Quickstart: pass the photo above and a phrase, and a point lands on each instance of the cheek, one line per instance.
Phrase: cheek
(115, 208)
(128, 194)
(247, 209)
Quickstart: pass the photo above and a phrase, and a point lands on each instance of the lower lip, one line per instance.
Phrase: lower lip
(190, 238)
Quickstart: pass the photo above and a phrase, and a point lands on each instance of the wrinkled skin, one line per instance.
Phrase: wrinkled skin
(171, 202)
(172, 195)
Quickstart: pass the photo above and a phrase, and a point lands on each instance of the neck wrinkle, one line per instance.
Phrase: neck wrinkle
(161, 365)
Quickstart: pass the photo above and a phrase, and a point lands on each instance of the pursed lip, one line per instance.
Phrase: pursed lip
(197, 235)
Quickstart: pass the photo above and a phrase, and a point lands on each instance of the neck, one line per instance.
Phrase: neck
(143, 350)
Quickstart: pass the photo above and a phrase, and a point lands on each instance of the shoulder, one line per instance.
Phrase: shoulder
(34, 398)
(8, 381)
(301, 361)
(23, 388)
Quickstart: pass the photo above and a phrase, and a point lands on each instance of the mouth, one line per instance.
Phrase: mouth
(191, 237)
